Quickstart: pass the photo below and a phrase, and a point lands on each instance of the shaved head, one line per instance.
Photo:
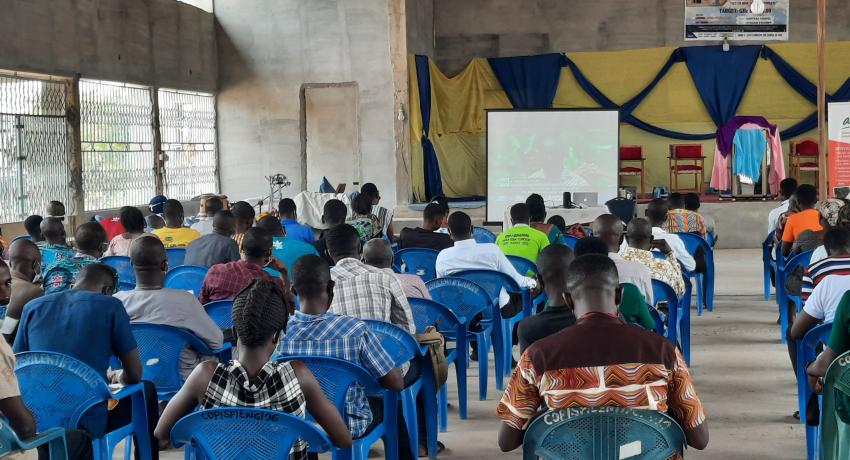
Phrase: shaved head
(224, 223)
(25, 258)
(609, 228)
(97, 277)
(639, 233)
(53, 231)
(147, 252)
(553, 263)
(378, 253)
(593, 285)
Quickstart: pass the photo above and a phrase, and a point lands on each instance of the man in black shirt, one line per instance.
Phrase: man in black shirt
(552, 263)
(426, 235)
(333, 213)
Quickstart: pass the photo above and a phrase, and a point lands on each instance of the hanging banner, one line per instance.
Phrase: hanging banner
(839, 149)
(736, 19)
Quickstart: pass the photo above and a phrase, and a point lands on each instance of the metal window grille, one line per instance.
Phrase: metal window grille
(187, 136)
(34, 150)
(117, 144)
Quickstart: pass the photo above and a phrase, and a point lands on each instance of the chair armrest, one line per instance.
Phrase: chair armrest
(225, 347)
(128, 390)
(42, 438)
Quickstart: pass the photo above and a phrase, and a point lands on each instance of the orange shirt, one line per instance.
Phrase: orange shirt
(797, 223)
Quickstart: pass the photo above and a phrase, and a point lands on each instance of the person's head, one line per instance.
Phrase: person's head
(378, 253)
(692, 202)
(154, 221)
(224, 223)
(343, 241)
(53, 231)
(25, 258)
(212, 206)
(843, 219)
(259, 316)
(91, 239)
(829, 210)
(371, 190)
(56, 209)
(593, 285)
(5, 283)
(33, 226)
(97, 277)
(156, 203)
(837, 241)
(609, 228)
(334, 213)
(807, 196)
(553, 263)
(287, 209)
(361, 205)
(434, 216)
(244, 214)
(519, 214)
(132, 219)
(272, 225)
(312, 283)
(536, 207)
(149, 260)
(591, 245)
(256, 245)
(656, 212)
(460, 226)
(558, 222)
(787, 187)
(442, 201)
(172, 212)
(639, 234)
(676, 200)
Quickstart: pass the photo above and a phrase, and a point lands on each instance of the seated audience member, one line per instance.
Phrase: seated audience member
(640, 245)
(444, 203)
(681, 220)
(287, 249)
(24, 267)
(316, 331)
(384, 215)
(537, 214)
(289, 220)
(610, 229)
(156, 204)
(693, 204)
(521, 240)
(609, 363)
(837, 244)
(378, 253)
(217, 247)
(552, 265)
(55, 239)
(151, 302)
(467, 254)
(91, 241)
(134, 223)
(174, 234)
(809, 240)
(244, 214)
(362, 291)
(807, 218)
(786, 190)
(56, 209)
(224, 281)
(252, 379)
(362, 218)
(154, 222)
(33, 226)
(841, 221)
(558, 222)
(205, 224)
(334, 213)
(427, 236)
(656, 213)
(94, 330)
(820, 306)
(838, 344)
(5, 283)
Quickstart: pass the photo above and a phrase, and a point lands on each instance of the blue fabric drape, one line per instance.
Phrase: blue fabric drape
(721, 77)
(529, 81)
(433, 178)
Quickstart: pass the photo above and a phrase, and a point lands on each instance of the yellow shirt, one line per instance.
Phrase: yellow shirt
(176, 237)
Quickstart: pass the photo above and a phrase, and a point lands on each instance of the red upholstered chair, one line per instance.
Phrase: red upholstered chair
(804, 158)
(632, 154)
(686, 159)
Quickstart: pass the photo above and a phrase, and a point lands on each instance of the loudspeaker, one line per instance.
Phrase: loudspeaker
(568, 200)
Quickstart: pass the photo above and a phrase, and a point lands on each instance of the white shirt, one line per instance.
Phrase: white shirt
(469, 255)
(818, 254)
(203, 226)
(773, 216)
(677, 246)
(825, 297)
(634, 273)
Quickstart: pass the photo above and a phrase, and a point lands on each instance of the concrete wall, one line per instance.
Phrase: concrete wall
(492, 28)
(268, 49)
(155, 42)
(420, 26)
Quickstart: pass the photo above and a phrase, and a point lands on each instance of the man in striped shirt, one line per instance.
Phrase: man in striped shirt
(837, 245)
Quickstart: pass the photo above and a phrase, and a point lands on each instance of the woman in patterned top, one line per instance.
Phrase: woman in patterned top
(251, 380)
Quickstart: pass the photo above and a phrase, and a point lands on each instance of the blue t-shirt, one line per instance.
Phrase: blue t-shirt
(289, 250)
(298, 231)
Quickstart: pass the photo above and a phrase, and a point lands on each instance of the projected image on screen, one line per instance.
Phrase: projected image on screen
(549, 152)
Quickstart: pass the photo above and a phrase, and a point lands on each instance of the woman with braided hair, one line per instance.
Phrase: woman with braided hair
(251, 380)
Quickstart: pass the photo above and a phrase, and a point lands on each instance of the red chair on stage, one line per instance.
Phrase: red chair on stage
(632, 154)
(686, 159)
(804, 158)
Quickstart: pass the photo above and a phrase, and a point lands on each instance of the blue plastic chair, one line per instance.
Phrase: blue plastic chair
(2, 312)
(418, 261)
(335, 376)
(705, 282)
(60, 389)
(783, 270)
(126, 274)
(599, 433)
(221, 312)
(806, 353)
(768, 263)
(175, 257)
(160, 347)
(233, 433)
(482, 235)
(568, 240)
(54, 438)
(656, 319)
(187, 278)
(664, 293)
(466, 300)
(528, 268)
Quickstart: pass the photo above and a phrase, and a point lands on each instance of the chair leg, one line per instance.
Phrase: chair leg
(460, 370)
(58, 448)
(483, 364)
(411, 419)
(444, 409)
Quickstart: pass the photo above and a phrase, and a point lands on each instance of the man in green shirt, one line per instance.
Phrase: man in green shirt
(521, 240)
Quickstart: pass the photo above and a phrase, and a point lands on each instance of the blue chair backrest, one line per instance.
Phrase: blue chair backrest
(809, 345)
(491, 280)
(766, 245)
(221, 312)
(187, 278)
(159, 348)
(693, 242)
(656, 319)
(58, 389)
(122, 265)
(2, 312)
(175, 256)
(482, 235)
(800, 260)
(336, 375)
(603, 433)
(399, 344)
(523, 266)
(663, 292)
(463, 297)
(231, 433)
(428, 312)
(418, 261)
(568, 240)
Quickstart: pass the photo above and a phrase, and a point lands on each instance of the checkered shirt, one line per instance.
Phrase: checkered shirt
(370, 293)
(224, 281)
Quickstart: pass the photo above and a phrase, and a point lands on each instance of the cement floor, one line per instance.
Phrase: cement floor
(740, 369)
